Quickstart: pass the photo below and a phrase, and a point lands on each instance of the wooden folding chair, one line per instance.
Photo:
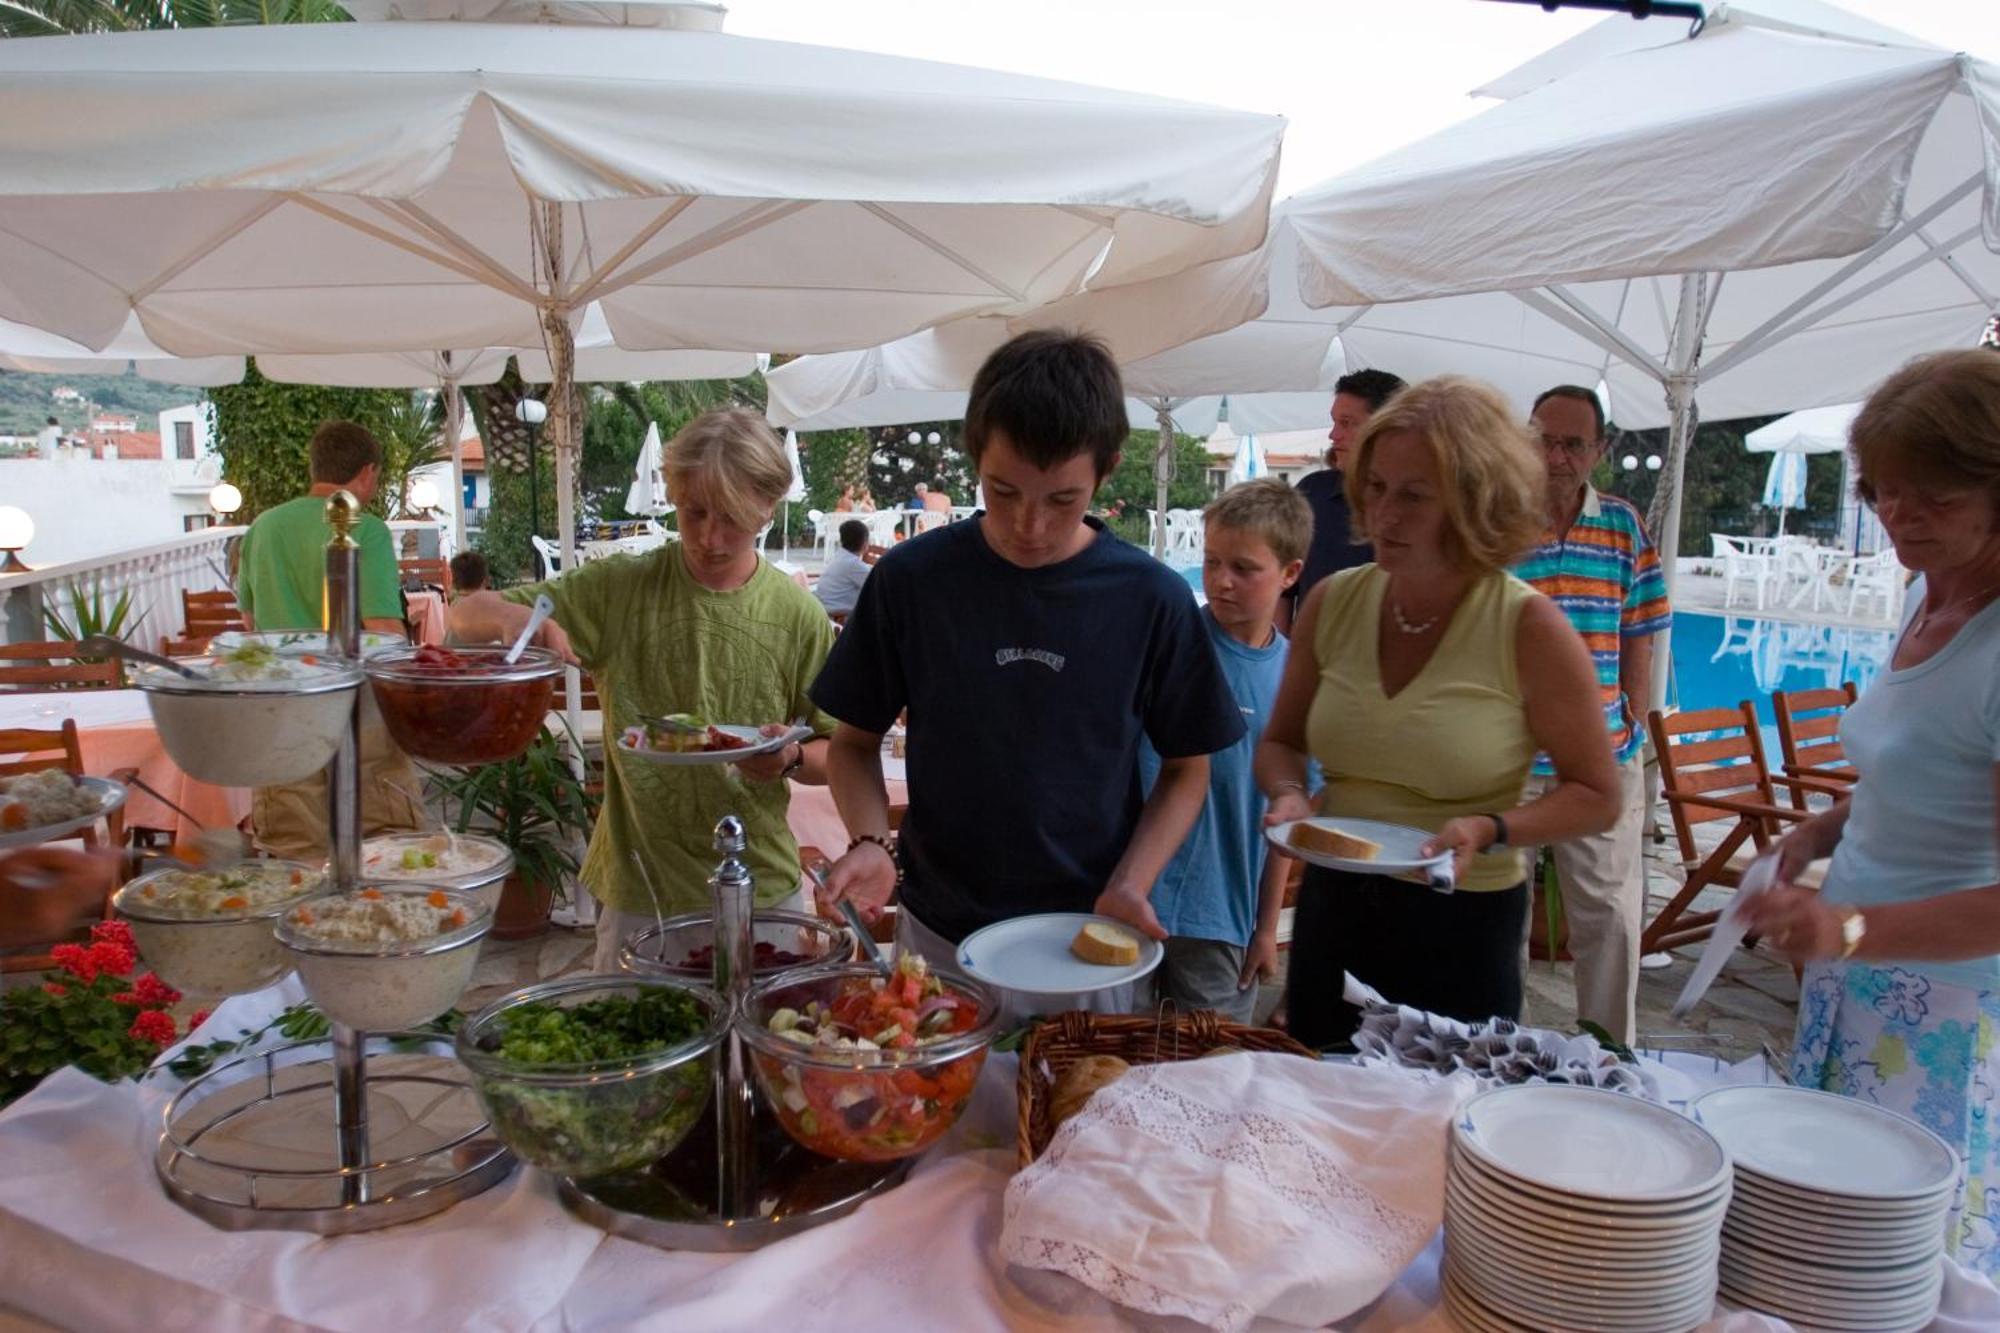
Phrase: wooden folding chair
(1809, 735)
(207, 614)
(172, 647)
(52, 664)
(430, 571)
(1712, 769)
(34, 750)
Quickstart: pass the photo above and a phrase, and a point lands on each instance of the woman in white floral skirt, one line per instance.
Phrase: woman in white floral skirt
(1900, 1003)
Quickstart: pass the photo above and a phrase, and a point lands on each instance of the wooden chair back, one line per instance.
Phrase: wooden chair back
(37, 749)
(1809, 734)
(172, 647)
(52, 664)
(207, 614)
(430, 571)
(1714, 752)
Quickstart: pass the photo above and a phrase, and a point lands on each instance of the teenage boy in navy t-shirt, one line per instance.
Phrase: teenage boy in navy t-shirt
(1033, 649)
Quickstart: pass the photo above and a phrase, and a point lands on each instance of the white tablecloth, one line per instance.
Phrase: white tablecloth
(87, 1240)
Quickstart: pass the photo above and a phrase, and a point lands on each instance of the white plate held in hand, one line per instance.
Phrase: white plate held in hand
(758, 744)
(1401, 852)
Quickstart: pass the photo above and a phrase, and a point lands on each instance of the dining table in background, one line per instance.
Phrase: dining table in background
(427, 615)
(115, 730)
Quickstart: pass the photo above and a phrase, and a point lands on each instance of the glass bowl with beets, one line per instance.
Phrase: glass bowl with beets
(463, 705)
(682, 948)
(865, 1068)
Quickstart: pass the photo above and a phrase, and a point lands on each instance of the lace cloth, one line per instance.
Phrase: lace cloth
(1231, 1189)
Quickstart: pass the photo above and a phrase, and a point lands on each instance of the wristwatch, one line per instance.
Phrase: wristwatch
(1499, 832)
(1853, 929)
(796, 764)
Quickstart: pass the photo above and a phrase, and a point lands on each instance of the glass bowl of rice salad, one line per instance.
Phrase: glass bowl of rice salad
(252, 717)
(385, 957)
(208, 932)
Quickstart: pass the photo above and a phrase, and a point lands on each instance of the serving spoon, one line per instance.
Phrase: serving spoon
(96, 645)
(544, 608)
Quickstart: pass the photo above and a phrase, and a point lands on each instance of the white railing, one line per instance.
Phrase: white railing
(155, 576)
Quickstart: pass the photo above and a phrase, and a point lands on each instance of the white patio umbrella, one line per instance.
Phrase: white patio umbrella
(648, 492)
(1248, 465)
(421, 185)
(1785, 485)
(1164, 334)
(35, 352)
(1767, 212)
(1823, 430)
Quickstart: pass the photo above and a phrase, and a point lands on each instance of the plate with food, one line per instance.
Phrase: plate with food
(1360, 847)
(1059, 953)
(51, 804)
(686, 738)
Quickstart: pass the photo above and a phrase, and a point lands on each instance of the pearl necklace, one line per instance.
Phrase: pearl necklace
(1404, 624)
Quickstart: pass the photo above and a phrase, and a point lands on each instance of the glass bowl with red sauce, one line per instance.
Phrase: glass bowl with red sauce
(682, 948)
(463, 705)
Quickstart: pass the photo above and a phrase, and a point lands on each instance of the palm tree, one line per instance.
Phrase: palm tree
(57, 18)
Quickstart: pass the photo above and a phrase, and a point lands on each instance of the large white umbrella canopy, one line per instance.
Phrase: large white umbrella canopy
(1175, 364)
(1817, 430)
(1761, 215)
(415, 186)
(36, 352)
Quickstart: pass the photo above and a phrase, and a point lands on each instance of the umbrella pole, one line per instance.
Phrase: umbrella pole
(454, 426)
(1683, 375)
(1163, 472)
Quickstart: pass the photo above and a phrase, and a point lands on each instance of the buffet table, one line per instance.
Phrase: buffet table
(87, 1240)
(115, 730)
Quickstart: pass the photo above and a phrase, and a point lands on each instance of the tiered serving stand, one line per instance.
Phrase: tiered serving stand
(365, 1130)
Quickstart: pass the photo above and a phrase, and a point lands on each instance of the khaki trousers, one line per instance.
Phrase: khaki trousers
(1604, 904)
(290, 820)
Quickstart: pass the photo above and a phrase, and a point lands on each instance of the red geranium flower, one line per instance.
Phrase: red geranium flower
(113, 932)
(200, 1017)
(155, 1027)
(113, 958)
(155, 993)
(76, 960)
(55, 988)
(128, 997)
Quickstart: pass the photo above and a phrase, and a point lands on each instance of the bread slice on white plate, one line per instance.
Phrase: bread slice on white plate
(1333, 842)
(1105, 944)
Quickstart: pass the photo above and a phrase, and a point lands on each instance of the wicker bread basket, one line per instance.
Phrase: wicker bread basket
(1139, 1039)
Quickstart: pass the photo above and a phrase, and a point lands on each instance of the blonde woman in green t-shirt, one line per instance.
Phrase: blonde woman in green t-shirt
(702, 625)
(1424, 684)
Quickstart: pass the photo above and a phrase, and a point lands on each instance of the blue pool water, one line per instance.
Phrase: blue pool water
(1722, 660)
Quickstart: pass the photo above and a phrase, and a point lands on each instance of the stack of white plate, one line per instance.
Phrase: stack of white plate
(1839, 1215)
(1575, 1208)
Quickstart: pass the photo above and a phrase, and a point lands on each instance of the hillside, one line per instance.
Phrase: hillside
(25, 403)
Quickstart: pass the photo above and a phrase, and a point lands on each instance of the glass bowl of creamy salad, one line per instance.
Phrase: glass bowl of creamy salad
(469, 862)
(252, 717)
(385, 957)
(208, 932)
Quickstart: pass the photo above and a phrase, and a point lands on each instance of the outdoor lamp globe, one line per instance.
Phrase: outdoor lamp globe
(531, 411)
(225, 499)
(1629, 462)
(1652, 462)
(16, 528)
(916, 437)
(423, 494)
(934, 438)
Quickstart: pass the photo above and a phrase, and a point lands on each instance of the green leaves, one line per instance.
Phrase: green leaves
(262, 430)
(534, 803)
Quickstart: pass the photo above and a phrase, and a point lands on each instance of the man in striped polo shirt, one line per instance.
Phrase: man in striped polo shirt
(1599, 566)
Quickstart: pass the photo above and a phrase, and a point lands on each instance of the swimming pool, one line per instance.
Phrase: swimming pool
(1721, 660)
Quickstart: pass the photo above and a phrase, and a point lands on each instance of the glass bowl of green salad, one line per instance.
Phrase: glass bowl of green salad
(591, 1075)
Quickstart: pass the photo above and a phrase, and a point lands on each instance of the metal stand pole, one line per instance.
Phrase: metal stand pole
(734, 905)
(343, 805)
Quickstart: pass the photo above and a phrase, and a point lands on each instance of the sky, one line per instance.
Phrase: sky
(1354, 78)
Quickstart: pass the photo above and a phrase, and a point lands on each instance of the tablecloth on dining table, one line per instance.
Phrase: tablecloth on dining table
(87, 1240)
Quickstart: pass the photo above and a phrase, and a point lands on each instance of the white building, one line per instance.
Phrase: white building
(187, 444)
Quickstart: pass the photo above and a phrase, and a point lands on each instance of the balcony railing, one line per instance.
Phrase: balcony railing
(154, 575)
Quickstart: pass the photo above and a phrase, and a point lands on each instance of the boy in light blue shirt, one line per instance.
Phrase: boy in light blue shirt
(1220, 896)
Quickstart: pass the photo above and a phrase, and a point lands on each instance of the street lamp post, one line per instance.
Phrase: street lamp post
(532, 412)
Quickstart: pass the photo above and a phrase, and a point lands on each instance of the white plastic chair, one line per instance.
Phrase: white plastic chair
(1740, 566)
(824, 531)
(883, 526)
(1875, 577)
(551, 565)
(1184, 537)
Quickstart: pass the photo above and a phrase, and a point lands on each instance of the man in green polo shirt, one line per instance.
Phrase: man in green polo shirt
(281, 585)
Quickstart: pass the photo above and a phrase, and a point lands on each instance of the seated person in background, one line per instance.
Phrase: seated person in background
(920, 498)
(1220, 896)
(937, 501)
(469, 573)
(1080, 646)
(839, 585)
(864, 501)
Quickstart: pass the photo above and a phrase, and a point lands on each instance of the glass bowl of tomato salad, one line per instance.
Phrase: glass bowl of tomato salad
(463, 705)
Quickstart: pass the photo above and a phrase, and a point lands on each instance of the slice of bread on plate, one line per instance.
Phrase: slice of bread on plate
(1107, 945)
(1337, 842)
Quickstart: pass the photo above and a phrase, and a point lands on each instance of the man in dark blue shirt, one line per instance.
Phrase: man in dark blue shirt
(1355, 398)
(1032, 649)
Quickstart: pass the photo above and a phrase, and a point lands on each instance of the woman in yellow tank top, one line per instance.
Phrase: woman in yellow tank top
(1424, 684)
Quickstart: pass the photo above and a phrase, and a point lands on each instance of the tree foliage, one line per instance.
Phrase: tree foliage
(56, 18)
(1723, 485)
(1129, 491)
(262, 429)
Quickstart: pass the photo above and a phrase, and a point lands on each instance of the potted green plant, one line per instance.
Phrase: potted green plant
(537, 805)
